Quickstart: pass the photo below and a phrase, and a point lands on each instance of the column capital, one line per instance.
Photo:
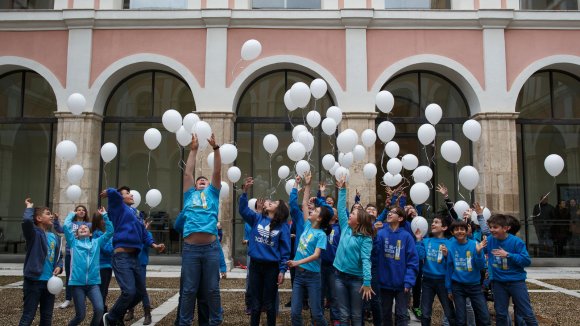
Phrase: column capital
(495, 116)
(84, 116)
(216, 115)
(361, 115)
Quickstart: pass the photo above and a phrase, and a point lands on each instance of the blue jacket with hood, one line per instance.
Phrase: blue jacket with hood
(129, 231)
(36, 247)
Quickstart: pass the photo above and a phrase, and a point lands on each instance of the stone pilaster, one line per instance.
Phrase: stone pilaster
(495, 156)
(359, 121)
(85, 131)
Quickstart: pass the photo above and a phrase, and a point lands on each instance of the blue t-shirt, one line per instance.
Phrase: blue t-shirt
(201, 210)
(48, 267)
(309, 241)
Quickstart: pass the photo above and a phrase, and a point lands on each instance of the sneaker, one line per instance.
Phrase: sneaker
(65, 304)
(105, 320)
(417, 312)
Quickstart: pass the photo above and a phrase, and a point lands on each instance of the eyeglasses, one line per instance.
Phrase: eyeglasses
(393, 212)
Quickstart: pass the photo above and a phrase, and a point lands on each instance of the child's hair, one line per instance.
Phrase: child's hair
(514, 224)
(354, 206)
(401, 213)
(445, 222)
(326, 215)
(329, 196)
(458, 224)
(125, 188)
(365, 223)
(505, 220)
(370, 205)
(97, 222)
(38, 211)
(86, 218)
(280, 215)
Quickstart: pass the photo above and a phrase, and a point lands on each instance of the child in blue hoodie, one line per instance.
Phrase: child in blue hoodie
(398, 266)
(41, 262)
(85, 267)
(433, 251)
(269, 250)
(465, 260)
(98, 229)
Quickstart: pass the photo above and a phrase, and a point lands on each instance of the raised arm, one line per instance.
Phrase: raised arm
(248, 215)
(188, 180)
(28, 220)
(104, 239)
(68, 233)
(216, 177)
(341, 205)
(482, 223)
(295, 210)
(306, 195)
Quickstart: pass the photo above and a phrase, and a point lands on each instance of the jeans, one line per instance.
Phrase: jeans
(375, 301)
(461, 292)
(128, 275)
(418, 286)
(146, 302)
(328, 289)
(35, 292)
(305, 280)
(247, 296)
(200, 265)
(106, 274)
(401, 299)
(519, 293)
(429, 289)
(350, 299)
(67, 270)
(264, 290)
(79, 294)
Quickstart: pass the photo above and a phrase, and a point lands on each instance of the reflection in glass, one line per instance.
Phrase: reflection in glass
(286, 4)
(417, 4)
(549, 4)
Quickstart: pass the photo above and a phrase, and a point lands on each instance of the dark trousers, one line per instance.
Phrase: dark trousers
(401, 299)
(417, 288)
(518, 290)
(430, 289)
(106, 274)
(263, 288)
(474, 292)
(128, 275)
(67, 291)
(35, 292)
(374, 303)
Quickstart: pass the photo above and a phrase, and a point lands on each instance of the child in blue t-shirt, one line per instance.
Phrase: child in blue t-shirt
(465, 261)
(98, 229)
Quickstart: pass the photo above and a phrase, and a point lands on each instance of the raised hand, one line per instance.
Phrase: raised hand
(322, 187)
(102, 210)
(211, 140)
(260, 205)
(418, 235)
(340, 183)
(482, 245)
(28, 202)
(442, 190)
(247, 184)
(194, 143)
(478, 209)
(307, 178)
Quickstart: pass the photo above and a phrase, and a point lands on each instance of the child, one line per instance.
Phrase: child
(352, 262)
(465, 261)
(508, 259)
(41, 263)
(433, 251)
(373, 307)
(398, 266)
(269, 252)
(85, 275)
(312, 240)
(106, 270)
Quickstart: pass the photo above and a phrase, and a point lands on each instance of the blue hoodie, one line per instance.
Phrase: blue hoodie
(332, 240)
(105, 258)
(265, 244)
(397, 259)
(37, 252)
(463, 263)
(353, 255)
(129, 231)
(435, 264)
(85, 252)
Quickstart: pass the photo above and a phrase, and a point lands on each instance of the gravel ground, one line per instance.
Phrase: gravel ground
(5, 280)
(566, 284)
(533, 286)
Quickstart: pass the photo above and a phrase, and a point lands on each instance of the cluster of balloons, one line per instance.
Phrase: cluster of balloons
(66, 151)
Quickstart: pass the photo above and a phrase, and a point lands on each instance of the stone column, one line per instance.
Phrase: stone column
(495, 156)
(222, 125)
(85, 131)
(359, 121)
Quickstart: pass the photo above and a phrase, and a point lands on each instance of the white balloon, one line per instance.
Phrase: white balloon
(54, 285)
(74, 174)
(318, 88)
(392, 149)
(472, 130)
(251, 50)
(347, 160)
(433, 113)
(451, 151)
(153, 197)
(189, 121)
(136, 198)
(386, 131)
(469, 177)
(183, 136)
(252, 204)
(329, 126)
(474, 217)
(297, 130)
(283, 172)
(385, 101)
(486, 213)
(76, 103)
(420, 223)
(369, 171)
(554, 164)
(335, 113)
(460, 207)
(234, 174)
(359, 153)
(152, 138)
(313, 119)
(203, 132)
(302, 167)
(300, 94)
(392, 180)
(328, 161)
(394, 166)
(288, 101)
(426, 134)
(224, 190)
(368, 137)
(342, 172)
(419, 193)
(333, 169)
(422, 174)
(228, 153)
(66, 150)
(210, 160)
(306, 139)
(270, 143)
(171, 120)
(73, 193)
(410, 162)
(347, 140)
(289, 185)
(296, 151)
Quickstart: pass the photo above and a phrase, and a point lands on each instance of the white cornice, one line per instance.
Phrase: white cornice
(284, 19)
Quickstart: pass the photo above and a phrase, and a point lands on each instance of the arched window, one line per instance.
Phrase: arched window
(136, 104)
(27, 135)
(413, 91)
(549, 123)
(261, 111)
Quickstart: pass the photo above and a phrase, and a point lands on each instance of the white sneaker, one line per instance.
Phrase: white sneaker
(105, 320)
(65, 304)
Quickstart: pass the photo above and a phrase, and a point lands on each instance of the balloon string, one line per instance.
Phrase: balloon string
(59, 252)
(383, 161)
(235, 66)
(148, 165)
(458, 188)
(544, 197)
(434, 152)
(181, 164)
(426, 155)
(105, 173)
(270, 171)
(290, 119)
